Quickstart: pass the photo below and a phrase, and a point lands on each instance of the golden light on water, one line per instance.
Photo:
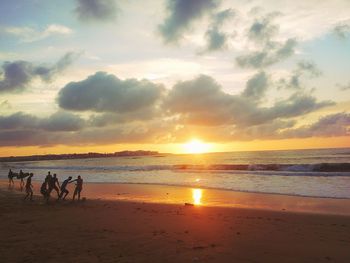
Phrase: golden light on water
(197, 196)
(196, 146)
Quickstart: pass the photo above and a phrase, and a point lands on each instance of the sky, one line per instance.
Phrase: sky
(111, 75)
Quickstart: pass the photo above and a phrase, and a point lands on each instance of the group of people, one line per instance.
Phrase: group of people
(21, 175)
(50, 183)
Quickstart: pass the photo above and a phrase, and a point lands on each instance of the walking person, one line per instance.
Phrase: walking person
(21, 176)
(29, 188)
(10, 176)
(64, 188)
(78, 187)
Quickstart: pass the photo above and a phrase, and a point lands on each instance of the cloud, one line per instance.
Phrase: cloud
(5, 105)
(153, 131)
(262, 30)
(202, 102)
(333, 125)
(256, 86)
(16, 75)
(221, 17)
(96, 10)
(199, 101)
(23, 138)
(17, 120)
(289, 20)
(344, 87)
(62, 121)
(309, 67)
(28, 34)
(181, 15)
(133, 111)
(269, 130)
(22, 129)
(59, 121)
(305, 20)
(304, 68)
(269, 49)
(108, 119)
(296, 105)
(104, 92)
(337, 124)
(342, 30)
(272, 53)
(216, 38)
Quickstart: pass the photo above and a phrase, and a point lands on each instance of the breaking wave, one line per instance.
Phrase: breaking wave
(324, 169)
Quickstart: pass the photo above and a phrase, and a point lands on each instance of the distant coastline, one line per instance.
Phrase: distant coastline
(78, 156)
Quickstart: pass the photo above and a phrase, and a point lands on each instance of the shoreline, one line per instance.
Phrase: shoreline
(220, 189)
(179, 195)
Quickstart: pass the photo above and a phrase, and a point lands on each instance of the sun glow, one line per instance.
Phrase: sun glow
(197, 196)
(196, 146)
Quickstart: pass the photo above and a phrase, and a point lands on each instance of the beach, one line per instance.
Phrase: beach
(174, 131)
(127, 230)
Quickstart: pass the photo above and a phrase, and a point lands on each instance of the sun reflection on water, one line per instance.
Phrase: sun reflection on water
(197, 196)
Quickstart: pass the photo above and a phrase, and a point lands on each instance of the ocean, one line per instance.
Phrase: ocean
(314, 173)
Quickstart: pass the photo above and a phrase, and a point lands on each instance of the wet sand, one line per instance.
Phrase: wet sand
(118, 231)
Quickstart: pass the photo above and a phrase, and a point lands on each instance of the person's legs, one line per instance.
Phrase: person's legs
(48, 193)
(79, 194)
(61, 194)
(57, 191)
(66, 193)
(27, 191)
(46, 196)
(11, 183)
(31, 194)
(63, 190)
(75, 193)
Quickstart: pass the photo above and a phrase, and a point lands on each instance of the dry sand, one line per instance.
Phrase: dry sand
(119, 231)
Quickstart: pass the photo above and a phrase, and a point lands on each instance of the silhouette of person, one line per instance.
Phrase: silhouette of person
(10, 176)
(64, 188)
(54, 185)
(78, 187)
(48, 182)
(21, 176)
(48, 177)
(28, 187)
(43, 189)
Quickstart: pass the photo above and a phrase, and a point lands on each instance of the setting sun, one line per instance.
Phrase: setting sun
(196, 146)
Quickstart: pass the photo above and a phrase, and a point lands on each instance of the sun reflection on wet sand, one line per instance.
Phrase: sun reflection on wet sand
(197, 196)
